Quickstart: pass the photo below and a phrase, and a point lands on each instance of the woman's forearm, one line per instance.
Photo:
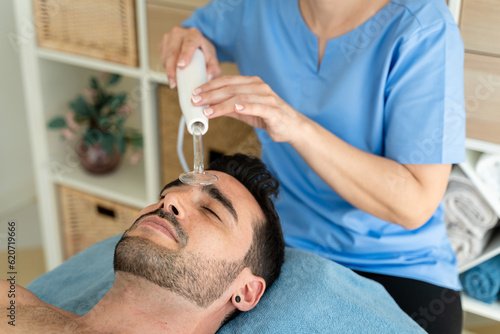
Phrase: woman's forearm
(377, 185)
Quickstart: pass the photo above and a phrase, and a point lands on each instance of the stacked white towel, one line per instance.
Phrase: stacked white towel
(469, 219)
(488, 170)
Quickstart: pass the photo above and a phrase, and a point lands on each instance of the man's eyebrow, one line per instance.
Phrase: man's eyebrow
(174, 183)
(215, 193)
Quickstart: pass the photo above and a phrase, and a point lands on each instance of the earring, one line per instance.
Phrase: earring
(237, 299)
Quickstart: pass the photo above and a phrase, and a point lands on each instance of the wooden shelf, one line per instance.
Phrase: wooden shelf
(480, 26)
(482, 146)
(491, 311)
(126, 185)
(491, 250)
(87, 62)
(183, 4)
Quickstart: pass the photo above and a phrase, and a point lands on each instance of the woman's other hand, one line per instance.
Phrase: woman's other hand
(252, 101)
(177, 49)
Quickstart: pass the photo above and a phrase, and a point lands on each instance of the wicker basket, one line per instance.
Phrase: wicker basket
(225, 135)
(93, 28)
(88, 219)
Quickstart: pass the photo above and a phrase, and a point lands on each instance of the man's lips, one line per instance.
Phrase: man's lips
(160, 225)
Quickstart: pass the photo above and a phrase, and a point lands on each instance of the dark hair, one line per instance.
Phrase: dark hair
(266, 253)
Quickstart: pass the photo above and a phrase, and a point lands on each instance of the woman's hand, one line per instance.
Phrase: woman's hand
(177, 49)
(252, 101)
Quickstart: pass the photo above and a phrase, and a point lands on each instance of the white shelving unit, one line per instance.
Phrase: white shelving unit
(474, 149)
(51, 78)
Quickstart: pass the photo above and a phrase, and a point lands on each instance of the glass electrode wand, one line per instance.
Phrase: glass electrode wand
(198, 175)
(189, 78)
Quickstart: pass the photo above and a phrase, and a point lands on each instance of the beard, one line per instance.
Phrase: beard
(191, 275)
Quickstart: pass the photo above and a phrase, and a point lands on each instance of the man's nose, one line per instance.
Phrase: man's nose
(176, 203)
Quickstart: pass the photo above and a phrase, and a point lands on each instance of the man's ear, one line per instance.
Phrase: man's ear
(245, 298)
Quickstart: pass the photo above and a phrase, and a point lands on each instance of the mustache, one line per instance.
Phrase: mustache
(171, 218)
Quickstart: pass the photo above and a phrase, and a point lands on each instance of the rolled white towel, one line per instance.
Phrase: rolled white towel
(464, 204)
(468, 217)
(488, 170)
(466, 246)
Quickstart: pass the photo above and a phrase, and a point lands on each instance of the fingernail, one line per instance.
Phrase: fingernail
(196, 98)
(208, 111)
(197, 91)
(238, 107)
(210, 76)
(171, 83)
(181, 63)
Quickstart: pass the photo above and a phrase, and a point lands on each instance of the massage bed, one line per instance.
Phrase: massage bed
(312, 295)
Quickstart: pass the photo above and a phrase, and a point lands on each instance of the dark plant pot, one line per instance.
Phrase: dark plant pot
(96, 160)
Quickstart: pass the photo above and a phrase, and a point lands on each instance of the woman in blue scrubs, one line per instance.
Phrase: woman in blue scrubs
(359, 108)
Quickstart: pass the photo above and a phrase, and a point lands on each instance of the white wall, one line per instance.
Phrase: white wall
(17, 188)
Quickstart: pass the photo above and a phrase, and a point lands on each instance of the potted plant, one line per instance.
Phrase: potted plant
(99, 116)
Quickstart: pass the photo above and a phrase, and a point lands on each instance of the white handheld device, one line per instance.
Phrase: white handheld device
(189, 78)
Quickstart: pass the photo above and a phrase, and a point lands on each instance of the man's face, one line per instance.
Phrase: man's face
(193, 240)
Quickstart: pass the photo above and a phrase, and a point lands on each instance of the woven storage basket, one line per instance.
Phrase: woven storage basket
(93, 28)
(88, 219)
(225, 135)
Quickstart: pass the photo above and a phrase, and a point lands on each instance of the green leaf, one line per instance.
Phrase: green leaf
(104, 122)
(94, 84)
(92, 111)
(107, 142)
(137, 141)
(106, 97)
(120, 141)
(118, 101)
(79, 106)
(114, 79)
(57, 122)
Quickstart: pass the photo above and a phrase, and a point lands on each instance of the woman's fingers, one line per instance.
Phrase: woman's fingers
(237, 104)
(224, 93)
(178, 47)
(169, 54)
(278, 121)
(193, 39)
(227, 87)
(250, 100)
(227, 80)
(213, 67)
(263, 116)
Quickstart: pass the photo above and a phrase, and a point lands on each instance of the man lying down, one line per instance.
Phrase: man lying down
(188, 264)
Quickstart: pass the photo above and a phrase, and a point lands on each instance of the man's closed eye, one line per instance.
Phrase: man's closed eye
(211, 212)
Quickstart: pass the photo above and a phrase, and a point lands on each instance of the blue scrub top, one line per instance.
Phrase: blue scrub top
(391, 87)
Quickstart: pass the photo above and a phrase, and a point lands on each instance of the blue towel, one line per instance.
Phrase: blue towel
(312, 295)
(483, 281)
